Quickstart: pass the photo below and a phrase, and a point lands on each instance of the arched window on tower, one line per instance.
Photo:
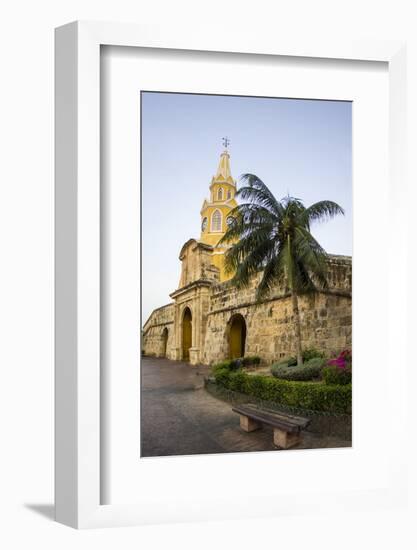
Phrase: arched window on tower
(229, 194)
(220, 194)
(216, 221)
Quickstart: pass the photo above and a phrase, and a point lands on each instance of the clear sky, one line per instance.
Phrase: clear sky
(297, 147)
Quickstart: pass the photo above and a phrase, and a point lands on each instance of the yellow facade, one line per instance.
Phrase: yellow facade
(215, 212)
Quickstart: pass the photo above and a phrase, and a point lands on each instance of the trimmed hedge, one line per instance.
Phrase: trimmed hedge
(336, 375)
(316, 362)
(308, 355)
(222, 365)
(235, 364)
(308, 371)
(287, 362)
(302, 395)
(312, 353)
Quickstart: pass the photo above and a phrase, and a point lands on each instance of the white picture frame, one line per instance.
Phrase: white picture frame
(78, 406)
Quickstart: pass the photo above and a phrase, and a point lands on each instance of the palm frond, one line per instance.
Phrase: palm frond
(322, 211)
(311, 257)
(253, 251)
(247, 219)
(272, 277)
(274, 237)
(256, 191)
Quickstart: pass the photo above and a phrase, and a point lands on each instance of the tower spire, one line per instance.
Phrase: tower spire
(224, 173)
(215, 212)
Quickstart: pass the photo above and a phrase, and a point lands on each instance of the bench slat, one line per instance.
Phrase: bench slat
(284, 416)
(286, 422)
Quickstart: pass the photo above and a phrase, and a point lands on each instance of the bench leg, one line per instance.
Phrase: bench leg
(285, 440)
(248, 424)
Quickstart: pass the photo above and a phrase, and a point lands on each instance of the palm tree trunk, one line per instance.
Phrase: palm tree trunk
(297, 327)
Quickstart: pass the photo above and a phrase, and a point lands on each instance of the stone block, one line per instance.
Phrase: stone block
(194, 356)
(248, 424)
(285, 440)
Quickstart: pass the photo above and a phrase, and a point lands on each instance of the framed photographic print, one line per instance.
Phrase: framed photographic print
(254, 279)
(217, 308)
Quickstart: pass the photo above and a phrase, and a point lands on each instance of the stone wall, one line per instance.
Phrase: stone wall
(326, 324)
(326, 318)
(153, 335)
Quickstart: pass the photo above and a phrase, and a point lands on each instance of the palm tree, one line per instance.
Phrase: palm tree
(273, 237)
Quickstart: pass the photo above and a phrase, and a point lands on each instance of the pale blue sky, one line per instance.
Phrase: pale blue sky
(300, 147)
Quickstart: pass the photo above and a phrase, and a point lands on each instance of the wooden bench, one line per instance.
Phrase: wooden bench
(287, 428)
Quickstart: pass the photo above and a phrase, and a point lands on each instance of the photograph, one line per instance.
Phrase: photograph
(208, 219)
(208, 226)
(246, 274)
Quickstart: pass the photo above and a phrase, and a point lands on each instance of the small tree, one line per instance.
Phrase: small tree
(274, 237)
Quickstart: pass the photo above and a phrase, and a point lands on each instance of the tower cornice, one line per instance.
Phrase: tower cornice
(221, 205)
(230, 182)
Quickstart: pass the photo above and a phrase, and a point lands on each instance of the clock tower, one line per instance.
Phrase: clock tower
(215, 212)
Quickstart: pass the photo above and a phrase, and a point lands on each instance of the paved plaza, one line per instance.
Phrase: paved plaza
(179, 417)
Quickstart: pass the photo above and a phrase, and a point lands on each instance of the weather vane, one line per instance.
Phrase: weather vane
(226, 142)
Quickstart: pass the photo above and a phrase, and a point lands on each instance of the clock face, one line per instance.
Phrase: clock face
(230, 220)
(204, 224)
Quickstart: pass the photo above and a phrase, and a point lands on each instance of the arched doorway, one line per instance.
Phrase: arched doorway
(187, 334)
(164, 342)
(237, 336)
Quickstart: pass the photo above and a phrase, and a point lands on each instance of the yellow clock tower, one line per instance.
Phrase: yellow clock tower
(215, 212)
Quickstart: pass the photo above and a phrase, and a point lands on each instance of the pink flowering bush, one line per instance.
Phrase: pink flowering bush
(343, 360)
(339, 369)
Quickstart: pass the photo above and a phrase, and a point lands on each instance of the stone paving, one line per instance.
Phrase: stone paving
(179, 417)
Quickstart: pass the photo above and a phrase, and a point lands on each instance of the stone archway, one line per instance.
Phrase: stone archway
(237, 336)
(187, 334)
(164, 338)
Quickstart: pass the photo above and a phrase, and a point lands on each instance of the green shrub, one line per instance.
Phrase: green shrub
(308, 354)
(230, 364)
(288, 361)
(333, 374)
(316, 362)
(251, 360)
(236, 364)
(302, 395)
(220, 366)
(308, 371)
(284, 372)
(221, 376)
(312, 353)
(237, 381)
